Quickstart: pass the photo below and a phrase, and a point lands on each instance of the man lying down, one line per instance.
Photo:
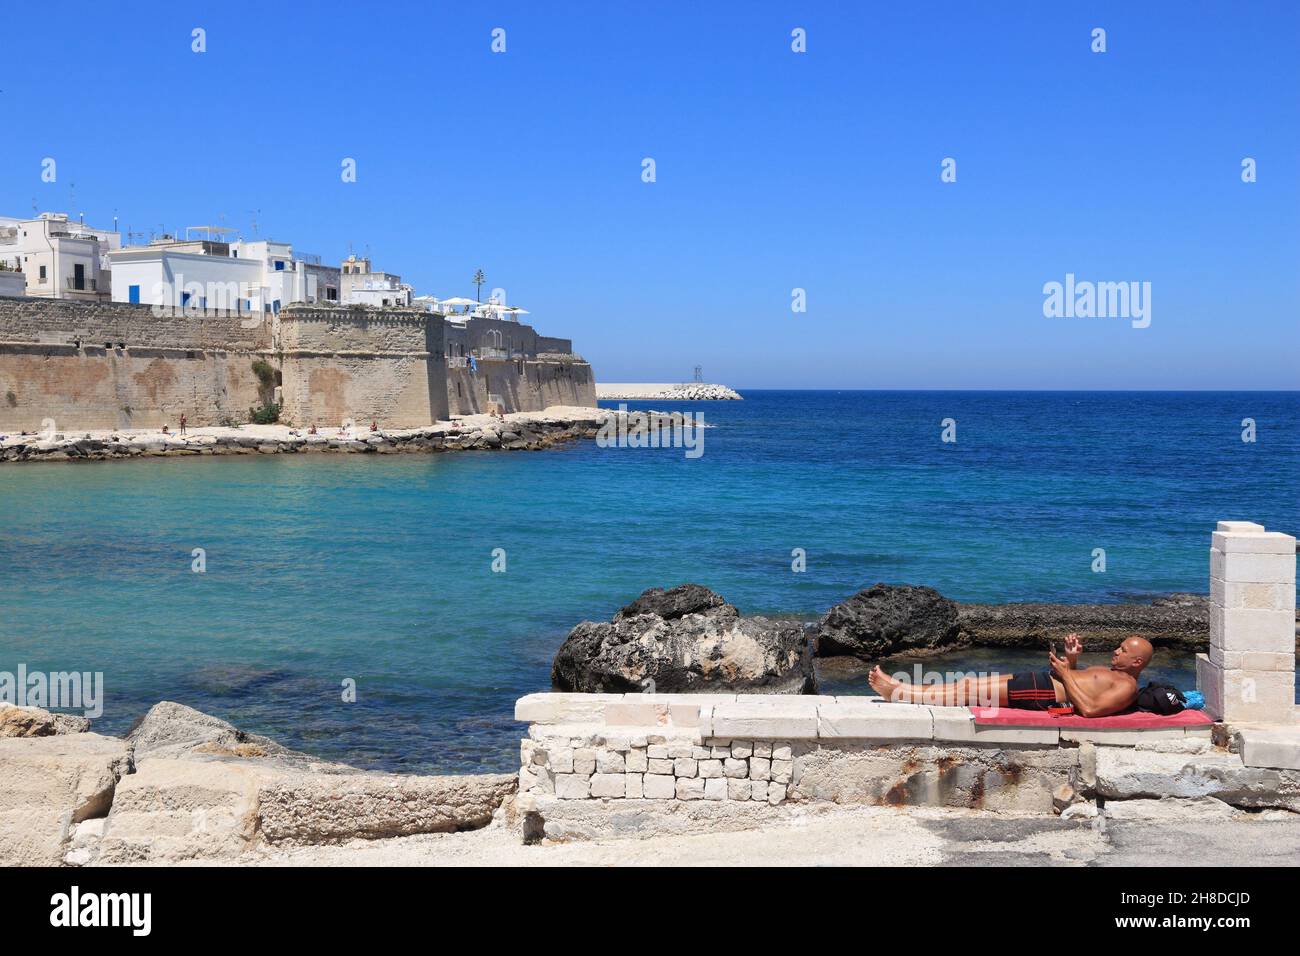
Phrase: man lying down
(1093, 691)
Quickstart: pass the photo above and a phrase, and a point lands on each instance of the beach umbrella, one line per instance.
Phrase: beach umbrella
(457, 300)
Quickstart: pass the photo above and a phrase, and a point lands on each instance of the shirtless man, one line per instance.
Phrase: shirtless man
(1094, 691)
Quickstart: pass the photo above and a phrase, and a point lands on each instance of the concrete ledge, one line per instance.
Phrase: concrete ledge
(798, 718)
(564, 708)
(1273, 747)
(777, 718)
(866, 718)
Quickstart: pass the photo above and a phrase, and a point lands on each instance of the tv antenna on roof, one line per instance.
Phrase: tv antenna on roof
(255, 213)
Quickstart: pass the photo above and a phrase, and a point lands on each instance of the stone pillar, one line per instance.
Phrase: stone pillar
(1249, 674)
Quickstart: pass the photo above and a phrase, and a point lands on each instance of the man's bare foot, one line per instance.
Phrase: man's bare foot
(883, 684)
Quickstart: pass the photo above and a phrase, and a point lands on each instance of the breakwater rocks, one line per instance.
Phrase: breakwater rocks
(894, 619)
(689, 639)
(686, 639)
(1178, 621)
(521, 431)
(183, 785)
(685, 392)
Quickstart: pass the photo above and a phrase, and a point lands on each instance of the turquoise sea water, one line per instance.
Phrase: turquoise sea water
(379, 569)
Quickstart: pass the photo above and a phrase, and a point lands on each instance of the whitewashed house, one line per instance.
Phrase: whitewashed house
(188, 274)
(60, 258)
(361, 286)
(255, 276)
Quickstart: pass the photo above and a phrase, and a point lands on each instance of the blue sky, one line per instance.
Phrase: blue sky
(775, 171)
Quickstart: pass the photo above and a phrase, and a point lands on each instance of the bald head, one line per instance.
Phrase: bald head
(1133, 654)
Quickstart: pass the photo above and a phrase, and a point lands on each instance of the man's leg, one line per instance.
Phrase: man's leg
(968, 692)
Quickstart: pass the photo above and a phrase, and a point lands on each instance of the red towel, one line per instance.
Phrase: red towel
(1133, 720)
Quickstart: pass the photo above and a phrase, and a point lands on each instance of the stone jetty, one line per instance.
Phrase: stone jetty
(684, 392)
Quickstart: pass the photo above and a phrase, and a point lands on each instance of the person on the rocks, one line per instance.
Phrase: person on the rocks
(1092, 691)
(183, 421)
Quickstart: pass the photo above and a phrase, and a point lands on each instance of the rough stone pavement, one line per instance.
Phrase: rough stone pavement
(866, 836)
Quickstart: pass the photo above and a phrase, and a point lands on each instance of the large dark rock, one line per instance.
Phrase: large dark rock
(887, 619)
(685, 640)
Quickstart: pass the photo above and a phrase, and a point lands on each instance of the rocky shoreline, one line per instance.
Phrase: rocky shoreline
(1178, 621)
(183, 785)
(519, 431)
(688, 639)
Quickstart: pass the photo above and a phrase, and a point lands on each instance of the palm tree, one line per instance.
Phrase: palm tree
(479, 279)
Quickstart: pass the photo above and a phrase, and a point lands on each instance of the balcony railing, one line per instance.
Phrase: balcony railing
(491, 353)
(80, 285)
(457, 361)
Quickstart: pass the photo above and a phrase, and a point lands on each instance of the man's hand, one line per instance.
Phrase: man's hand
(1073, 648)
(1060, 666)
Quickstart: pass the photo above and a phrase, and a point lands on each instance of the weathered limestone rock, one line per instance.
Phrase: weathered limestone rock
(885, 619)
(83, 844)
(34, 722)
(49, 784)
(685, 639)
(1125, 774)
(330, 808)
(170, 729)
(183, 809)
(173, 730)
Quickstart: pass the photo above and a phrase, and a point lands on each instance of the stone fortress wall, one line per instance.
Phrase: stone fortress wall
(119, 366)
(525, 370)
(367, 365)
(113, 365)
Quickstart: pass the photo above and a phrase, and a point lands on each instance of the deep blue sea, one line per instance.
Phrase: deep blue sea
(379, 568)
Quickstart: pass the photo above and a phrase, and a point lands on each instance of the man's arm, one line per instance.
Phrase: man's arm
(1092, 703)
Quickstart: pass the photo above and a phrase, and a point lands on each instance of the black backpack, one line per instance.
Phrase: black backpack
(1161, 699)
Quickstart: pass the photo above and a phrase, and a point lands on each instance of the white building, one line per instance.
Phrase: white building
(180, 274)
(60, 258)
(253, 276)
(288, 277)
(361, 286)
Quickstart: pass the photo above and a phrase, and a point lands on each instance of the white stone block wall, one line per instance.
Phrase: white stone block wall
(646, 764)
(1249, 673)
(751, 747)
